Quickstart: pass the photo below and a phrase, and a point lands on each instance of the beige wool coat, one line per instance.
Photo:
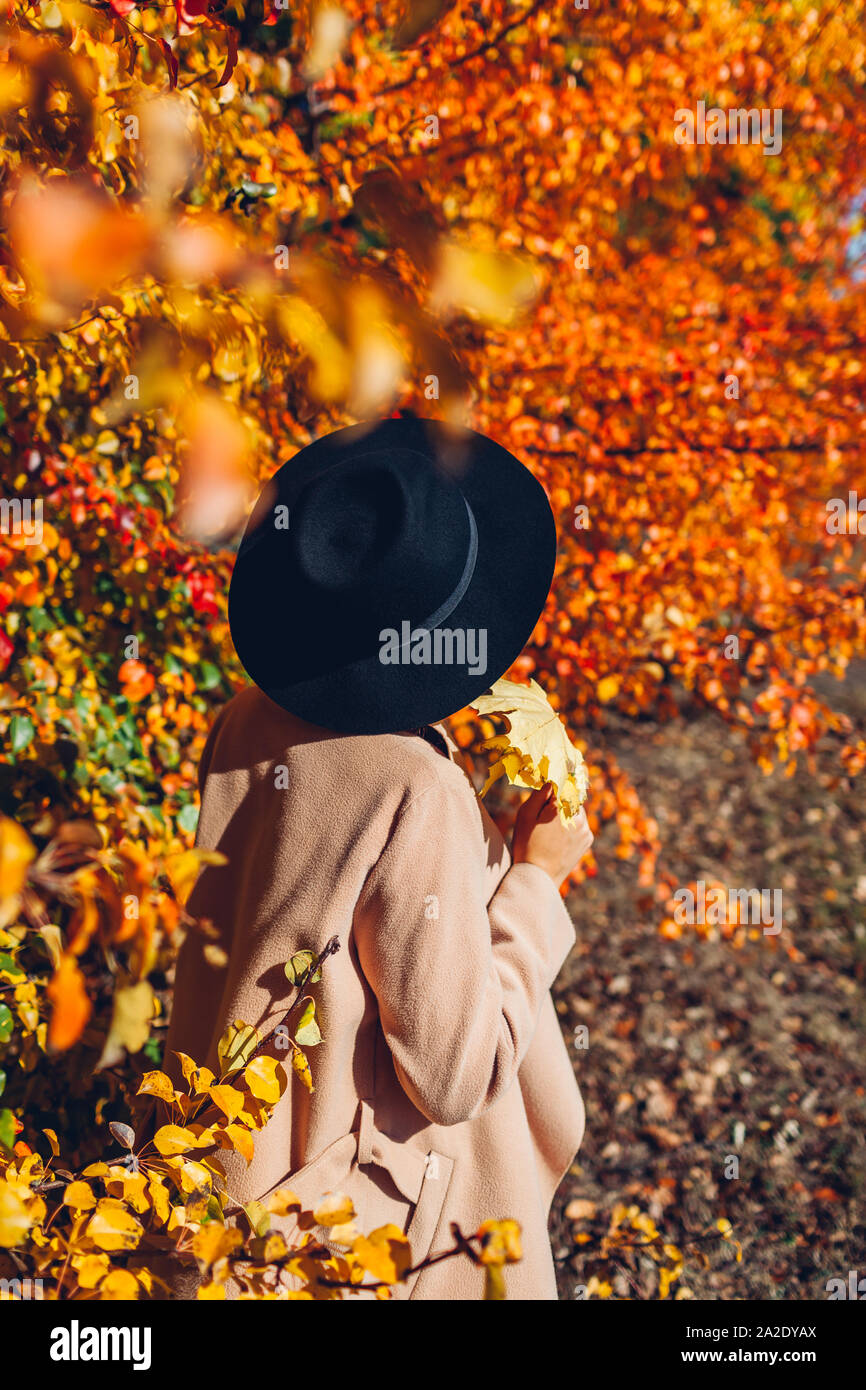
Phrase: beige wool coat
(443, 1088)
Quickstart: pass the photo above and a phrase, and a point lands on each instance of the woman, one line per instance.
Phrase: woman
(388, 575)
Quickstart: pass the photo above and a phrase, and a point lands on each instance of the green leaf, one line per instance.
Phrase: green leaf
(2, 1081)
(7, 1128)
(297, 967)
(10, 965)
(39, 620)
(6, 1023)
(308, 1034)
(21, 731)
(210, 675)
(187, 818)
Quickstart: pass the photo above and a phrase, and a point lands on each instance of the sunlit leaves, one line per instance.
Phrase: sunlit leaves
(236, 1046)
(385, 1253)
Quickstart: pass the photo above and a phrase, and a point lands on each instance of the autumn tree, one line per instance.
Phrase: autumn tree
(226, 231)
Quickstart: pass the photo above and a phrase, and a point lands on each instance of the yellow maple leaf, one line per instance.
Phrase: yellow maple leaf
(536, 749)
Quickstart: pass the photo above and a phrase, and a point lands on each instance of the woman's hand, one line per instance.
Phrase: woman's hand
(540, 836)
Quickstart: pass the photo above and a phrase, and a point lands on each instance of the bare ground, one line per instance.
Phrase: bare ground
(700, 1050)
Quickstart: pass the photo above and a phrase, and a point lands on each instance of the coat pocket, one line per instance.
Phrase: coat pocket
(386, 1181)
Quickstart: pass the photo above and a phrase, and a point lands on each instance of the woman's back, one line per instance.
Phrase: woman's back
(440, 990)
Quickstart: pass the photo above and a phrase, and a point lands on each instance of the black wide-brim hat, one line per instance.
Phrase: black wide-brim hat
(376, 526)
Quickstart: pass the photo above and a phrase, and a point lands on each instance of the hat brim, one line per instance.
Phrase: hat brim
(505, 597)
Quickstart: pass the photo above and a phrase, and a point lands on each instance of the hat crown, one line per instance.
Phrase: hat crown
(380, 538)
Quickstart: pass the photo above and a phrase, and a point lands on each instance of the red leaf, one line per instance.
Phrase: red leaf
(231, 58)
(171, 62)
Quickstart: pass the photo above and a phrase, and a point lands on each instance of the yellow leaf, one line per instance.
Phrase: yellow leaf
(335, 1210)
(537, 748)
(183, 869)
(489, 285)
(91, 1269)
(156, 1083)
(266, 1079)
(159, 1199)
(213, 1242)
(607, 689)
(79, 1195)
(500, 1242)
(384, 1253)
(173, 1139)
(194, 1177)
(273, 1247)
(119, 1286)
(229, 1101)
(131, 1013)
(242, 1141)
(236, 1046)
(303, 324)
(15, 1215)
(17, 851)
(283, 1201)
(187, 1065)
(112, 1227)
(307, 1032)
(301, 1067)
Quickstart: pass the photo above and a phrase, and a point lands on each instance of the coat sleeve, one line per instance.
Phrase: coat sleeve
(460, 981)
